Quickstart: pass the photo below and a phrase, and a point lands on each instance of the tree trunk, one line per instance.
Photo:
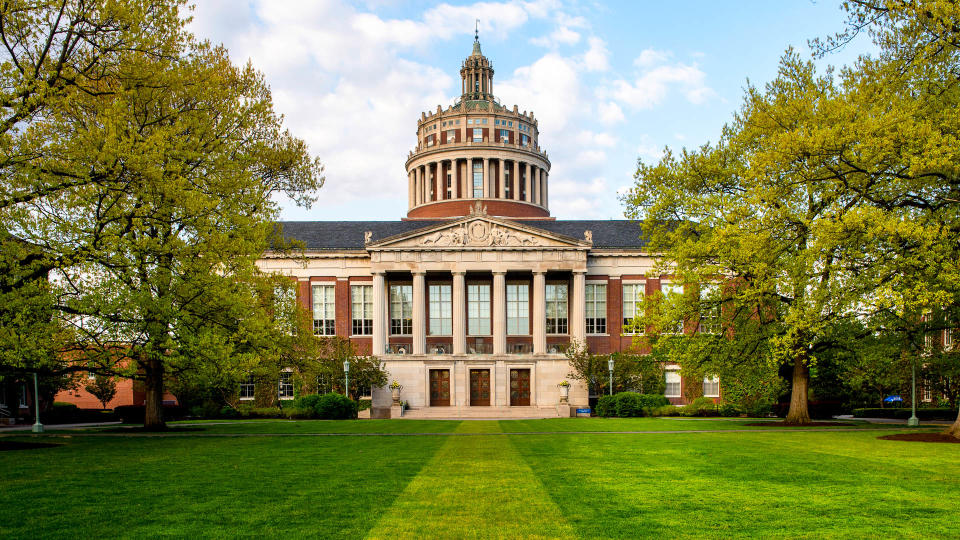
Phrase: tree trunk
(954, 430)
(799, 413)
(153, 417)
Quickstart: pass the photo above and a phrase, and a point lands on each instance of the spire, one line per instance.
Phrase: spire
(476, 40)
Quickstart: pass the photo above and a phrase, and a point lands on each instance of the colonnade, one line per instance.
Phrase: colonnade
(428, 181)
(576, 311)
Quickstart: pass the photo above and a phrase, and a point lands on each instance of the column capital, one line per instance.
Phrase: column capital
(498, 272)
(458, 272)
(418, 272)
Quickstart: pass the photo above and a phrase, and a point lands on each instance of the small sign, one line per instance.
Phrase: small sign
(583, 411)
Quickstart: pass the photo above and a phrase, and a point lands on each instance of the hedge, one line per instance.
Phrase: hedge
(629, 404)
(904, 413)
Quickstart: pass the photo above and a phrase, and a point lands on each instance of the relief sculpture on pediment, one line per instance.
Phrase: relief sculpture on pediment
(450, 237)
(479, 233)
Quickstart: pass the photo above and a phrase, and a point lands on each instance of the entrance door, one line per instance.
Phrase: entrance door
(520, 387)
(480, 387)
(439, 387)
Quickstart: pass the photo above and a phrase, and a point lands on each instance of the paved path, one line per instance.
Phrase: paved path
(28, 427)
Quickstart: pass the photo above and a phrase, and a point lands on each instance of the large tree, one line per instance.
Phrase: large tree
(167, 166)
(828, 198)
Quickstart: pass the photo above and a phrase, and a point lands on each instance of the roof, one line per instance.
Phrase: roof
(345, 235)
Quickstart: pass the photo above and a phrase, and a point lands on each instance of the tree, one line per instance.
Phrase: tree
(631, 372)
(819, 210)
(171, 162)
(102, 387)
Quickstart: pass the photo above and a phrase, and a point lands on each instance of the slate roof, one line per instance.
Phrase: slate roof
(348, 235)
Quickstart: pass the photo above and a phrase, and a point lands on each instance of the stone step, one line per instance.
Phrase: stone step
(480, 412)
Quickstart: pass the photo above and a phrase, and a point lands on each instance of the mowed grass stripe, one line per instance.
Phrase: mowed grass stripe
(474, 487)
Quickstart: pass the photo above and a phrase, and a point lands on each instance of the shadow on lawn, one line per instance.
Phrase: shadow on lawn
(921, 437)
(18, 445)
(141, 429)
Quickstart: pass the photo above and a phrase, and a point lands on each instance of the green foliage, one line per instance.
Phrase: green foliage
(606, 406)
(702, 406)
(336, 407)
(629, 404)
(631, 372)
(102, 387)
(730, 410)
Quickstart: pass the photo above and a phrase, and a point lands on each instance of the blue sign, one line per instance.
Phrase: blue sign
(892, 399)
(583, 411)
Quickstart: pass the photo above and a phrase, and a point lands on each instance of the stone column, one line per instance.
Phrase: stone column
(459, 313)
(499, 313)
(527, 186)
(410, 190)
(503, 178)
(539, 313)
(379, 313)
(578, 322)
(530, 170)
(545, 191)
(419, 314)
(487, 192)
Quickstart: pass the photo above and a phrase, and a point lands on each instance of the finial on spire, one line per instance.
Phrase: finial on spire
(476, 31)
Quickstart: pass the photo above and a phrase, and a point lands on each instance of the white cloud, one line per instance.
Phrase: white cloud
(591, 138)
(648, 150)
(561, 36)
(551, 83)
(610, 113)
(650, 87)
(597, 56)
(651, 57)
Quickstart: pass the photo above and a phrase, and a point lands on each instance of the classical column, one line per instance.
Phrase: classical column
(544, 183)
(441, 182)
(487, 192)
(530, 170)
(410, 202)
(379, 313)
(419, 314)
(499, 313)
(459, 313)
(503, 178)
(527, 184)
(539, 313)
(578, 321)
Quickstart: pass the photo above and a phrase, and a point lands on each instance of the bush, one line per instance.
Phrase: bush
(729, 410)
(665, 410)
(903, 414)
(298, 413)
(263, 412)
(629, 404)
(336, 407)
(307, 404)
(606, 406)
(702, 406)
(365, 404)
(229, 412)
(61, 405)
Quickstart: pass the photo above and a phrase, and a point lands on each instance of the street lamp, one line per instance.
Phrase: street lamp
(37, 426)
(913, 420)
(610, 369)
(346, 378)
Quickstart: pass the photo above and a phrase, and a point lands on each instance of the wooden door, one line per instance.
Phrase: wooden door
(439, 387)
(520, 387)
(480, 387)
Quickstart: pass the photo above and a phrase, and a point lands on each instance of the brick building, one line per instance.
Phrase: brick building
(471, 298)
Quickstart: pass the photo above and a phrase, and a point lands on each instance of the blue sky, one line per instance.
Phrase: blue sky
(610, 82)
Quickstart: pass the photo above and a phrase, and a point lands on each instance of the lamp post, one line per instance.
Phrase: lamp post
(37, 426)
(610, 370)
(913, 420)
(346, 378)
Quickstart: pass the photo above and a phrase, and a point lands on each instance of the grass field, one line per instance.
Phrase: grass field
(537, 478)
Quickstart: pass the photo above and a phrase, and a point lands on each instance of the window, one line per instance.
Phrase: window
(441, 309)
(509, 124)
(507, 182)
(518, 309)
(477, 134)
(361, 301)
(477, 180)
(478, 309)
(632, 298)
(324, 321)
(711, 386)
(246, 388)
(401, 309)
(469, 121)
(709, 309)
(23, 395)
(596, 309)
(673, 384)
(556, 308)
(286, 385)
(430, 140)
(323, 384)
(671, 290)
(504, 135)
(452, 136)
(948, 339)
(524, 140)
(926, 392)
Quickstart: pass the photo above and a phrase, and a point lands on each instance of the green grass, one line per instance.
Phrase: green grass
(482, 479)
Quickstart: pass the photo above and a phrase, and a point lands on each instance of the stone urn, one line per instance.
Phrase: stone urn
(395, 392)
(564, 391)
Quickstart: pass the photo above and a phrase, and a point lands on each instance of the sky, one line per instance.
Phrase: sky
(609, 82)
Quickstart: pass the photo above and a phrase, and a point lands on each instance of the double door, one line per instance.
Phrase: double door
(480, 387)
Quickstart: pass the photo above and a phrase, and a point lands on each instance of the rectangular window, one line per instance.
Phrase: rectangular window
(556, 308)
(709, 309)
(518, 309)
(711, 386)
(451, 136)
(323, 384)
(477, 134)
(478, 309)
(324, 301)
(449, 185)
(246, 388)
(484, 120)
(632, 298)
(477, 180)
(23, 395)
(286, 385)
(430, 139)
(524, 140)
(401, 309)
(596, 309)
(671, 290)
(673, 384)
(504, 135)
(469, 121)
(441, 310)
(361, 303)
(948, 339)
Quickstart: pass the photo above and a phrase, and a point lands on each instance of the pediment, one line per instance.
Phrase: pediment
(479, 232)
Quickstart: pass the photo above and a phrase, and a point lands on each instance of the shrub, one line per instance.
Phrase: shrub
(64, 405)
(702, 406)
(365, 404)
(299, 413)
(729, 409)
(665, 410)
(307, 404)
(628, 405)
(336, 407)
(606, 406)
(264, 412)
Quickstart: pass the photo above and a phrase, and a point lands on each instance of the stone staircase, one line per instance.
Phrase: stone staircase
(477, 413)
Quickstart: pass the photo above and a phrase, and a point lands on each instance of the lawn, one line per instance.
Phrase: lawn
(481, 479)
